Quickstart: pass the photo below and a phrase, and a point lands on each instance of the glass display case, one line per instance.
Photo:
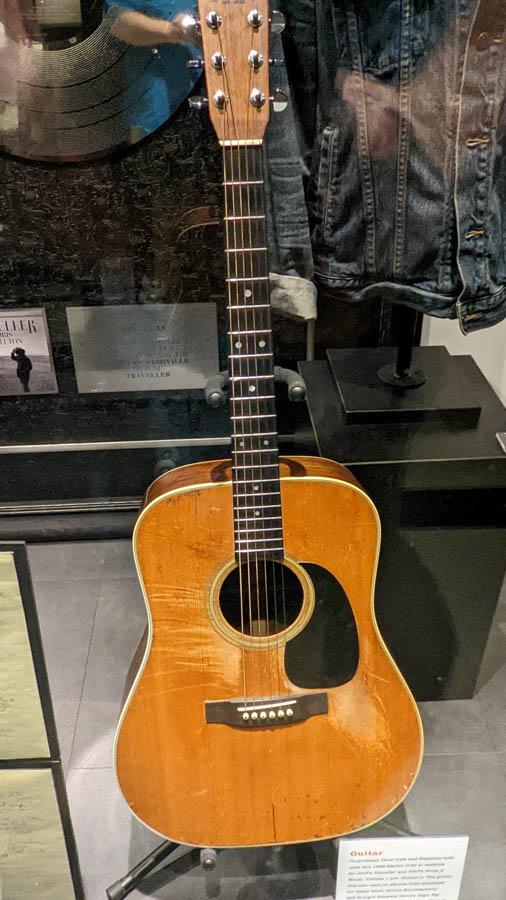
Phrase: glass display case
(265, 573)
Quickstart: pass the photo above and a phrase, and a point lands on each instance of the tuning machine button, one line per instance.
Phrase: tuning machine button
(218, 61)
(277, 22)
(255, 18)
(279, 100)
(255, 59)
(219, 100)
(213, 20)
(257, 98)
(198, 102)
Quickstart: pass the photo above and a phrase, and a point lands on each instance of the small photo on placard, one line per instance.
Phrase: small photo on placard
(150, 347)
(26, 362)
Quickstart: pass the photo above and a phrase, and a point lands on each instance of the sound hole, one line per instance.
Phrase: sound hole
(261, 597)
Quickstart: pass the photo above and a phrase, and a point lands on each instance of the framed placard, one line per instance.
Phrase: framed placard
(22, 726)
(414, 868)
(38, 856)
(33, 853)
(26, 362)
(151, 347)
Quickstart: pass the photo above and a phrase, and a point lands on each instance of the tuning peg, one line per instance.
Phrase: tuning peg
(277, 22)
(195, 64)
(279, 101)
(198, 102)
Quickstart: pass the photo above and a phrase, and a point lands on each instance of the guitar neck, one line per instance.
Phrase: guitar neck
(257, 505)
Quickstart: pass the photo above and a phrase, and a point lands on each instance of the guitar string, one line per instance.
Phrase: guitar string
(252, 175)
(233, 288)
(242, 153)
(255, 172)
(256, 169)
(235, 175)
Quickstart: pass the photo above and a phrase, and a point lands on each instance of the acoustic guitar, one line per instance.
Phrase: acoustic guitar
(266, 708)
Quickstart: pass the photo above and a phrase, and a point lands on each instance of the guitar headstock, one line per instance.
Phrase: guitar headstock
(235, 41)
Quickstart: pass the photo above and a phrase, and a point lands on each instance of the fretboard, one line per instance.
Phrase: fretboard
(257, 503)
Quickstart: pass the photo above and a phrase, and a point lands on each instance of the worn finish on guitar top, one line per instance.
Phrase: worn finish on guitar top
(212, 784)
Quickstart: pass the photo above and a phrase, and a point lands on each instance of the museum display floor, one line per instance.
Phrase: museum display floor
(92, 615)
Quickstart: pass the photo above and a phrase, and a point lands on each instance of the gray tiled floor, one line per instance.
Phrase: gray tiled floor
(92, 615)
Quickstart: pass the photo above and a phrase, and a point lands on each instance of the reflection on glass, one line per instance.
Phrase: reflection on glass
(78, 79)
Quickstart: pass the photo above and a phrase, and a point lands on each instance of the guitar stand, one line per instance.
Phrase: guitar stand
(214, 391)
(171, 852)
(401, 374)
(168, 851)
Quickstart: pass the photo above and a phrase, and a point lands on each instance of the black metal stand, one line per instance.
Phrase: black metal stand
(373, 390)
(400, 374)
(216, 387)
(168, 851)
(125, 885)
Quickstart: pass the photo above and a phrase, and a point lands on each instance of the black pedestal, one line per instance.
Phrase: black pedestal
(440, 489)
(365, 398)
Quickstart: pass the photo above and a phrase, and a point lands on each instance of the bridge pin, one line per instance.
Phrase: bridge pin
(254, 715)
(289, 712)
(245, 716)
(263, 715)
(272, 714)
(281, 713)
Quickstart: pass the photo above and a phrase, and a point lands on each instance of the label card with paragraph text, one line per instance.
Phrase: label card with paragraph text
(404, 868)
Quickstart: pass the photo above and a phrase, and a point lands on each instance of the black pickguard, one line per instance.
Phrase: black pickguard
(326, 652)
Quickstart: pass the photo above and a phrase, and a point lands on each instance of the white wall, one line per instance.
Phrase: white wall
(487, 347)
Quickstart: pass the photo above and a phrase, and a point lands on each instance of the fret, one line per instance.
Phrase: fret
(249, 377)
(236, 398)
(246, 250)
(252, 278)
(255, 416)
(262, 506)
(263, 482)
(256, 434)
(255, 540)
(252, 331)
(242, 218)
(250, 306)
(234, 183)
(248, 356)
(258, 519)
(266, 551)
(260, 450)
(256, 530)
(256, 466)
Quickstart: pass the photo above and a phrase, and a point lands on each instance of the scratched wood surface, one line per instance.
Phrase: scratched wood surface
(220, 786)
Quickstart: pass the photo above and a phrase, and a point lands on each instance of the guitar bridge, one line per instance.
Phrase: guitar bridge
(266, 712)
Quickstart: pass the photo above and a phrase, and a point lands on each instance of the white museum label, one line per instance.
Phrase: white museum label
(404, 868)
(146, 347)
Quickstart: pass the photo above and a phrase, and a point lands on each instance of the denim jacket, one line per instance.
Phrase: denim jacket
(401, 112)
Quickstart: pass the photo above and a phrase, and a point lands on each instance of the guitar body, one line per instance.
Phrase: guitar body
(198, 780)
